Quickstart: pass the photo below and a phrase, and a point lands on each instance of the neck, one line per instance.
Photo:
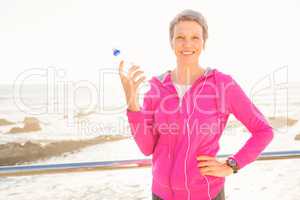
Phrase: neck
(187, 73)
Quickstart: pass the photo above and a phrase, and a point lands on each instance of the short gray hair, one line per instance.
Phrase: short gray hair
(189, 15)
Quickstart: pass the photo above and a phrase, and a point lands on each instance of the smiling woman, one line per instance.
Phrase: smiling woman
(188, 34)
(184, 163)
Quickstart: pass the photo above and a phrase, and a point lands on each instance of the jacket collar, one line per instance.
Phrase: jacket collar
(166, 80)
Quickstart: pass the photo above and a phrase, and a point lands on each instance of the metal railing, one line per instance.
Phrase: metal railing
(25, 170)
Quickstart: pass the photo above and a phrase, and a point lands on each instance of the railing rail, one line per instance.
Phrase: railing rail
(25, 170)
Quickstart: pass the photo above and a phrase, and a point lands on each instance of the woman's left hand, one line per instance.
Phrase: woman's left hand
(211, 166)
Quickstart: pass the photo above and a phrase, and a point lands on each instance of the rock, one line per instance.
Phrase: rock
(280, 122)
(17, 153)
(31, 120)
(32, 127)
(16, 130)
(4, 122)
(30, 124)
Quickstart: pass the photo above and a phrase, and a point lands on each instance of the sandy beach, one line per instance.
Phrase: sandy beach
(260, 180)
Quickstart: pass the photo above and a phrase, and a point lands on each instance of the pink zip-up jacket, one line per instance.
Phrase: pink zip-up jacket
(177, 133)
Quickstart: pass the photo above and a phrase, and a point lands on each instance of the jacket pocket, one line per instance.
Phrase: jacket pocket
(160, 164)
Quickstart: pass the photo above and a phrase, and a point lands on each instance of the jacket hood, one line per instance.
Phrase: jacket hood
(164, 80)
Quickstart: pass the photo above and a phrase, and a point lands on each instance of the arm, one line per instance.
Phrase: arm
(247, 113)
(142, 125)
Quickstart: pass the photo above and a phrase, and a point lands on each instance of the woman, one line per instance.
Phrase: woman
(183, 116)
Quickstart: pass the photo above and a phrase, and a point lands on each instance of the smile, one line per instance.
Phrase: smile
(187, 52)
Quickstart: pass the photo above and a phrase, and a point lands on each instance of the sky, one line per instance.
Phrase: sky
(247, 39)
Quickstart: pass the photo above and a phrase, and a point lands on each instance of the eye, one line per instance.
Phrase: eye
(195, 38)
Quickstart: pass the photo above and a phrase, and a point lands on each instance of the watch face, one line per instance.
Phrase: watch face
(232, 162)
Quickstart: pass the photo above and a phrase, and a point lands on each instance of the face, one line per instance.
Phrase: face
(187, 42)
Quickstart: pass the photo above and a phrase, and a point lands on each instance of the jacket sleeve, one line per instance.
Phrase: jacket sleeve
(142, 124)
(249, 115)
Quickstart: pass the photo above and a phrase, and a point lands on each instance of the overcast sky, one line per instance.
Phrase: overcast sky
(248, 39)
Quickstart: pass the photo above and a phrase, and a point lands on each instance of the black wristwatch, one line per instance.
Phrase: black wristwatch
(231, 162)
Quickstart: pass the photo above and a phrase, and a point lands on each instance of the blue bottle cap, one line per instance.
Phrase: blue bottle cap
(116, 52)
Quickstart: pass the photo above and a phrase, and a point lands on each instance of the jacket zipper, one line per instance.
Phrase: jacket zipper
(186, 156)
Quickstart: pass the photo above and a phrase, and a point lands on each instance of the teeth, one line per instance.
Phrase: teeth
(187, 52)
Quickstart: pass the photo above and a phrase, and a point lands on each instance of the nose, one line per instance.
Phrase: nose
(187, 43)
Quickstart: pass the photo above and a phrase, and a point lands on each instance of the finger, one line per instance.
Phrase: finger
(208, 169)
(210, 173)
(140, 80)
(204, 157)
(136, 74)
(121, 67)
(207, 163)
(132, 69)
